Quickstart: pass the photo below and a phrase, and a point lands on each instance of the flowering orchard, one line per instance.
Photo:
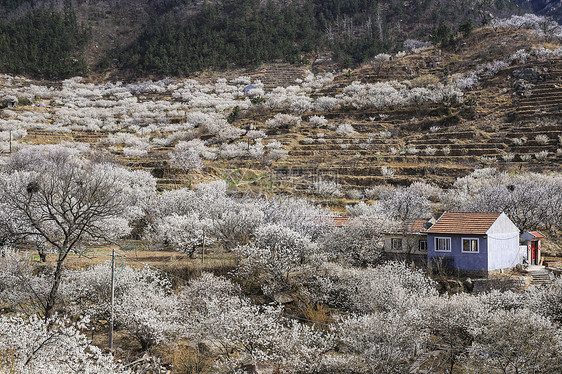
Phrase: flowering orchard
(305, 294)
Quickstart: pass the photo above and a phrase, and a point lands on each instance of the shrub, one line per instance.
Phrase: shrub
(488, 160)
(325, 103)
(354, 194)
(414, 46)
(375, 192)
(326, 189)
(542, 139)
(508, 157)
(277, 154)
(346, 130)
(134, 152)
(257, 100)
(541, 155)
(519, 141)
(467, 27)
(387, 172)
(430, 151)
(318, 121)
(412, 150)
(283, 121)
(541, 25)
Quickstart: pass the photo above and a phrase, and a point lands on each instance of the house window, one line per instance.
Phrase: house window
(470, 245)
(396, 244)
(443, 244)
(423, 246)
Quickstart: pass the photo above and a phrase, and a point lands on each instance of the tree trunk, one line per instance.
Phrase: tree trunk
(54, 290)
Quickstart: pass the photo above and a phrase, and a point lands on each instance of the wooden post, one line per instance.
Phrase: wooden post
(203, 248)
(111, 315)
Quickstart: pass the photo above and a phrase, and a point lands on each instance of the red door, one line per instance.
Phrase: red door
(534, 254)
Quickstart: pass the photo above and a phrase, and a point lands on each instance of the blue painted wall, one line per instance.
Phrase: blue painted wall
(456, 259)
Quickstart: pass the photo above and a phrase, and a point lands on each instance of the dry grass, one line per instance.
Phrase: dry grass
(8, 358)
(180, 267)
(318, 314)
(191, 360)
(134, 253)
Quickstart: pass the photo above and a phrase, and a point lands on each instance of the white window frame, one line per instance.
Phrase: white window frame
(419, 245)
(477, 245)
(392, 246)
(445, 238)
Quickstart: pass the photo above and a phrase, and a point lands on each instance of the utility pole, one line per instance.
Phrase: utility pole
(203, 249)
(111, 316)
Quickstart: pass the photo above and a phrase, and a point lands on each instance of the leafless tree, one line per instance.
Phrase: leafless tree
(62, 207)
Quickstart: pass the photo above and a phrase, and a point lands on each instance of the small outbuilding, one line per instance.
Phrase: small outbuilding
(531, 242)
(474, 242)
(248, 88)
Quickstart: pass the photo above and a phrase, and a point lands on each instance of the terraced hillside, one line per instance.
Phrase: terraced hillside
(435, 142)
(492, 99)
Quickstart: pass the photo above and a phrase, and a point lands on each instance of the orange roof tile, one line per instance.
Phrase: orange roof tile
(411, 226)
(414, 225)
(536, 234)
(463, 223)
(336, 221)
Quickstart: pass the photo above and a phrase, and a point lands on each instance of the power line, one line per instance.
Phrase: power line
(122, 256)
(86, 254)
(156, 268)
(51, 250)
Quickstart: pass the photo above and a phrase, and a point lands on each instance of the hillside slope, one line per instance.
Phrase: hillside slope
(136, 38)
(488, 99)
(550, 8)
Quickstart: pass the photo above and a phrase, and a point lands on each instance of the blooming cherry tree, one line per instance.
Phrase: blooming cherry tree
(30, 345)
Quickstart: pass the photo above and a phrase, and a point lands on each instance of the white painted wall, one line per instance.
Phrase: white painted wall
(503, 244)
(502, 225)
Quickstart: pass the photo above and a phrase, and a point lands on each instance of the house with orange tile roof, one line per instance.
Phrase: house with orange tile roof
(409, 241)
(474, 242)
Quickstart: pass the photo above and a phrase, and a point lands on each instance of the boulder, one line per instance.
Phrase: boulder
(258, 368)
(528, 74)
(283, 298)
